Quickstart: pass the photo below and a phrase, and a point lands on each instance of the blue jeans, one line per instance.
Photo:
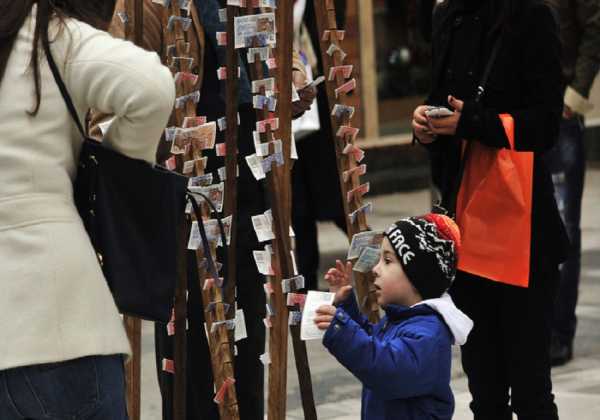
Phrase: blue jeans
(90, 388)
(566, 161)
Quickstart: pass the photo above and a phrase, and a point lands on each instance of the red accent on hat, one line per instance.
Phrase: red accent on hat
(447, 228)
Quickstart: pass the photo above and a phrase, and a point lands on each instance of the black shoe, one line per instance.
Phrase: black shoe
(560, 354)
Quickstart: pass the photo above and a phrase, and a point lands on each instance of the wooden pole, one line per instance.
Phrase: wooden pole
(134, 10)
(326, 21)
(368, 67)
(220, 341)
(133, 327)
(231, 159)
(279, 189)
(285, 41)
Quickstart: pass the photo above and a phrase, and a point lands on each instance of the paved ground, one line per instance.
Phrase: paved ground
(577, 385)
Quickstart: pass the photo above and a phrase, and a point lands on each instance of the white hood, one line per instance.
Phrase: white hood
(460, 325)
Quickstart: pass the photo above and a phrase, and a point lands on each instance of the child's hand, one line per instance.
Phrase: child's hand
(324, 316)
(340, 281)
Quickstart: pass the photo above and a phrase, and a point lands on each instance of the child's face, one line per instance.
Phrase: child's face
(393, 286)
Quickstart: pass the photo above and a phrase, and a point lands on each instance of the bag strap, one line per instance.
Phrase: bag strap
(63, 90)
(488, 69)
(205, 245)
(450, 208)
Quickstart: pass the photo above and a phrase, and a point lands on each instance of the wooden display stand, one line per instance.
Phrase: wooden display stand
(347, 159)
(278, 180)
(219, 339)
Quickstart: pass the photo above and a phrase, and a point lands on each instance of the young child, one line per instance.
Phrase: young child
(404, 360)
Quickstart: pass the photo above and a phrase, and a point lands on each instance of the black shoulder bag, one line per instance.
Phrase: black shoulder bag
(133, 212)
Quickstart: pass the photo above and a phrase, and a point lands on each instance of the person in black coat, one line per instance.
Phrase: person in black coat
(507, 355)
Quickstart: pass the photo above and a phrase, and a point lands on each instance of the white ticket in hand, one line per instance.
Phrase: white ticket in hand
(314, 300)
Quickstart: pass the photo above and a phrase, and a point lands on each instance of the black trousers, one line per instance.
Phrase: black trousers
(566, 161)
(506, 357)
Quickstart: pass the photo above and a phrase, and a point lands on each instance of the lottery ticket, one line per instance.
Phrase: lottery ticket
(240, 326)
(193, 121)
(255, 164)
(181, 63)
(342, 111)
(333, 48)
(314, 300)
(263, 262)
(185, 22)
(330, 35)
(221, 39)
(168, 366)
(362, 240)
(366, 208)
(358, 192)
(355, 151)
(272, 123)
(295, 318)
(271, 63)
(293, 284)
(262, 52)
(212, 307)
(348, 133)
(265, 359)
(228, 324)
(268, 85)
(123, 17)
(182, 100)
(345, 71)
(294, 299)
(263, 226)
(222, 172)
(200, 181)
(368, 259)
(347, 87)
(255, 30)
(184, 76)
(265, 102)
(171, 163)
(358, 170)
(215, 194)
(267, 162)
(223, 15)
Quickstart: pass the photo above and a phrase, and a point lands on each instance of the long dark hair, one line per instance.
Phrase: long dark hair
(13, 14)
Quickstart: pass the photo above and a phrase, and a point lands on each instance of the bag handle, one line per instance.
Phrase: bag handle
(63, 90)
(205, 245)
(450, 208)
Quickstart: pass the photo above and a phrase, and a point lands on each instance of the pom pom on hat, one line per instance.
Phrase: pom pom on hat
(447, 228)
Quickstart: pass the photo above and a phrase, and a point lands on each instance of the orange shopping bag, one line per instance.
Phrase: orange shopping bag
(493, 211)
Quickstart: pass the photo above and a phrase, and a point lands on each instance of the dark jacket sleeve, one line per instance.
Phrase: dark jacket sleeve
(536, 122)
(588, 57)
(403, 367)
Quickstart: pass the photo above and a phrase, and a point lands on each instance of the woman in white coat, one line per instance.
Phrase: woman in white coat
(63, 341)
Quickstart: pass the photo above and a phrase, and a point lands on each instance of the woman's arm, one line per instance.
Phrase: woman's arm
(116, 77)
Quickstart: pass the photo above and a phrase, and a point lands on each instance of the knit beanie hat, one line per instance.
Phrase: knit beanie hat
(427, 247)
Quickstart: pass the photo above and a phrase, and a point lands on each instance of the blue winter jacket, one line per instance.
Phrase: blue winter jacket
(403, 361)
